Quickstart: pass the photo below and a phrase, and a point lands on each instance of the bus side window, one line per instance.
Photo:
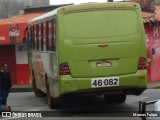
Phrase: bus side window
(54, 34)
(47, 35)
(29, 37)
(42, 36)
(50, 41)
(32, 38)
(37, 37)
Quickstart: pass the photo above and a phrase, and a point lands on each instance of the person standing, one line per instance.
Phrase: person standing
(5, 85)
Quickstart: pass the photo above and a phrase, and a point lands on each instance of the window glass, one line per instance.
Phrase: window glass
(37, 36)
(54, 34)
(44, 36)
(40, 36)
(32, 38)
(101, 23)
(50, 40)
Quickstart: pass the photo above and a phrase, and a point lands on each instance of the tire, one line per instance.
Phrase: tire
(109, 98)
(121, 98)
(115, 98)
(37, 91)
(138, 91)
(52, 102)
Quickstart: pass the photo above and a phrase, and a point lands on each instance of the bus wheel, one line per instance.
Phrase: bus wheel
(109, 98)
(37, 91)
(52, 102)
(119, 98)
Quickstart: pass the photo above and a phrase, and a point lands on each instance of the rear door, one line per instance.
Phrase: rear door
(102, 43)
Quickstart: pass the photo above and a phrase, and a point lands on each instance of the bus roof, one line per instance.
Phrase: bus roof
(84, 7)
(94, 6)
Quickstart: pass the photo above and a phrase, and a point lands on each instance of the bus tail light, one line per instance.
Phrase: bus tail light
(142, 64)
(64, 69)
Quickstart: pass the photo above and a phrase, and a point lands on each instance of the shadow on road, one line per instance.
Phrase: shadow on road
(94, 106)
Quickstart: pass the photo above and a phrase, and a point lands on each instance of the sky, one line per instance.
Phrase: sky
(55, 2)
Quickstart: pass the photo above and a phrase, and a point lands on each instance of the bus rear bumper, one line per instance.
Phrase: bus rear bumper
(133, 84)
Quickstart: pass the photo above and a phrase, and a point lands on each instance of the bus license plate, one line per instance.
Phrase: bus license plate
(104, 64)
(104, 82)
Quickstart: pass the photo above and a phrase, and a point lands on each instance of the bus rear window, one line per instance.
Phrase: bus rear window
(100, 23)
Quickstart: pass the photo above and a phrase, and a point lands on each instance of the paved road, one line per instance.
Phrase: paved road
(95, 107)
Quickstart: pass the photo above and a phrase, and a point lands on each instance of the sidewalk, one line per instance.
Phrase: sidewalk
(152, 85)
(28, 87)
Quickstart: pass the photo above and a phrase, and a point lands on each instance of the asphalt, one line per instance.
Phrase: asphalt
(28, 87)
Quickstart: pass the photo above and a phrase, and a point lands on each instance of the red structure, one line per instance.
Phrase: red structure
(152, 31)
(11, 46)
(151, 16)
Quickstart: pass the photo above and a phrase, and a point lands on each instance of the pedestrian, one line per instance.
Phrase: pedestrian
(5, 85)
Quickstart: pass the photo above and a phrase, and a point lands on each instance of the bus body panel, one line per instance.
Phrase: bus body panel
(132, 81)
(45, 65)
(79, 47)
(117, 55)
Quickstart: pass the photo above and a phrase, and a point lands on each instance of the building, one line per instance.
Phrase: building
(10, 8)
(157, 2)
(12, 49)
(152, 32)
(151, 19)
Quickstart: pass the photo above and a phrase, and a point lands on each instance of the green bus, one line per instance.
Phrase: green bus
(88, 49)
